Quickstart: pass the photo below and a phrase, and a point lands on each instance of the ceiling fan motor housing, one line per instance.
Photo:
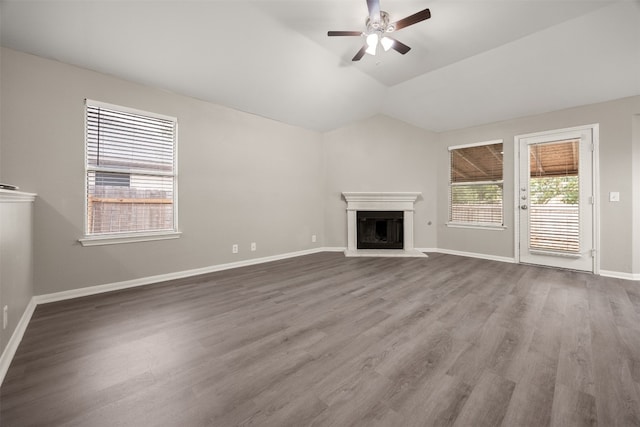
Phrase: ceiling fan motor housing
(379, 23)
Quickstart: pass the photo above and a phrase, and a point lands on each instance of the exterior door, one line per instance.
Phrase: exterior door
(556, 199)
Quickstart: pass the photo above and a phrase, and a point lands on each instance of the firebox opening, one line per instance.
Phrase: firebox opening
(380, 229)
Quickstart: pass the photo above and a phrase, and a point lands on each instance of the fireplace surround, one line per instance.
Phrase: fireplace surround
(401, 202)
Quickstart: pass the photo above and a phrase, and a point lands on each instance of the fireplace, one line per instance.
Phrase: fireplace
(380, 224)
(380, 230)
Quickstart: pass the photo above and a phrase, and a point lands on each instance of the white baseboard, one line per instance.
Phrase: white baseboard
(619, 275)
(386, 253)
(335, 249)
(16, 338)
(99, 289)
(604, 273)
(476, 255)
(427, 250)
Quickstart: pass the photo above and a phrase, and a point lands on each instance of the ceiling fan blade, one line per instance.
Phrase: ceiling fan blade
(398, 46)
(374, 8)
(360, 54)
(344, 33)
(413, 19)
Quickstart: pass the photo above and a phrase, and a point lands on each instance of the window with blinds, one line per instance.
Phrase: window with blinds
(476, 184)
(130, 171)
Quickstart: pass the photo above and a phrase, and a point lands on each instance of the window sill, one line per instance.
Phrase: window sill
(491, 227)
(114, 239)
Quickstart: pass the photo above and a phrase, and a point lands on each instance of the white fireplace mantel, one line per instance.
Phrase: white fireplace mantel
(381, 201)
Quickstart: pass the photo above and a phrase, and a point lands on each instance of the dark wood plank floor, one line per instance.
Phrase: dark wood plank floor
(325, 340)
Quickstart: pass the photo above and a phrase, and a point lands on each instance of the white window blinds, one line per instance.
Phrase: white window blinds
(475, 184)
(554, 214)
(130, 163)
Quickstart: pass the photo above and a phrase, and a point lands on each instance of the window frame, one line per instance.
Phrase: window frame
(450, 185)
(128, 237)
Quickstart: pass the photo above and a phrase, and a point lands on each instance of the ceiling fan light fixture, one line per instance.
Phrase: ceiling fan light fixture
(372, 39)
(371, 50)
(372, 43)
(386, 43)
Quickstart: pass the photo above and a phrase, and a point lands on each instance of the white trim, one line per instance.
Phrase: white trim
(12, 196)
(143, 281)
(516, 197)
(12, 346)
(635, 194)
(465, 183)
(475, 144)
(556, 253)
(595, 141)
(557, 131)
(115, 107)
(476, 226)
(393, 253)
(476, 255)
(334, 249)
(112, 239)
(619, 275)
(435, 250)
(176, 192)
(132, 171)
(362, 200)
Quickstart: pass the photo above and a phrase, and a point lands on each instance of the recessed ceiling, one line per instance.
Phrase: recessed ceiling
(473, 62)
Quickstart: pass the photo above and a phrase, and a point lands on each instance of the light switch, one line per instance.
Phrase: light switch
(614, 196)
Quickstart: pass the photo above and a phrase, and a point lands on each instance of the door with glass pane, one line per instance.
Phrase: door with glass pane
(556, 199)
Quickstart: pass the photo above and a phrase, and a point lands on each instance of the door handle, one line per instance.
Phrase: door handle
(524, 207)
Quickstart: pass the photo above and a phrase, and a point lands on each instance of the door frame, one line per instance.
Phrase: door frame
(595, 176)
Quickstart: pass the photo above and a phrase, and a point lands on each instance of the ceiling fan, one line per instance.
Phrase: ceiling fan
(378, 26)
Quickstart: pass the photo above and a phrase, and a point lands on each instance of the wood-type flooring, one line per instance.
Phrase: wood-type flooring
(324, 340)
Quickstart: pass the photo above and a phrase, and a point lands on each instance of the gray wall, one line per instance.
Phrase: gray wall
(380, 154)
(616, 168)
(242, 178)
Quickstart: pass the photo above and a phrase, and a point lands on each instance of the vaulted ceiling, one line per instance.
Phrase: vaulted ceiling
(473, 62)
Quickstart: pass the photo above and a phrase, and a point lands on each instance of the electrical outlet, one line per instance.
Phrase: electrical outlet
(313, 238)
(253, 246)
(234, 249)
(5, 316)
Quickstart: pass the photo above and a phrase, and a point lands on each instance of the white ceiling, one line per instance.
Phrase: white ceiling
(473, 62)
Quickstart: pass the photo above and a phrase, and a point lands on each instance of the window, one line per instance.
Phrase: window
(130, 173)
(475, 184)
(554, 190)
